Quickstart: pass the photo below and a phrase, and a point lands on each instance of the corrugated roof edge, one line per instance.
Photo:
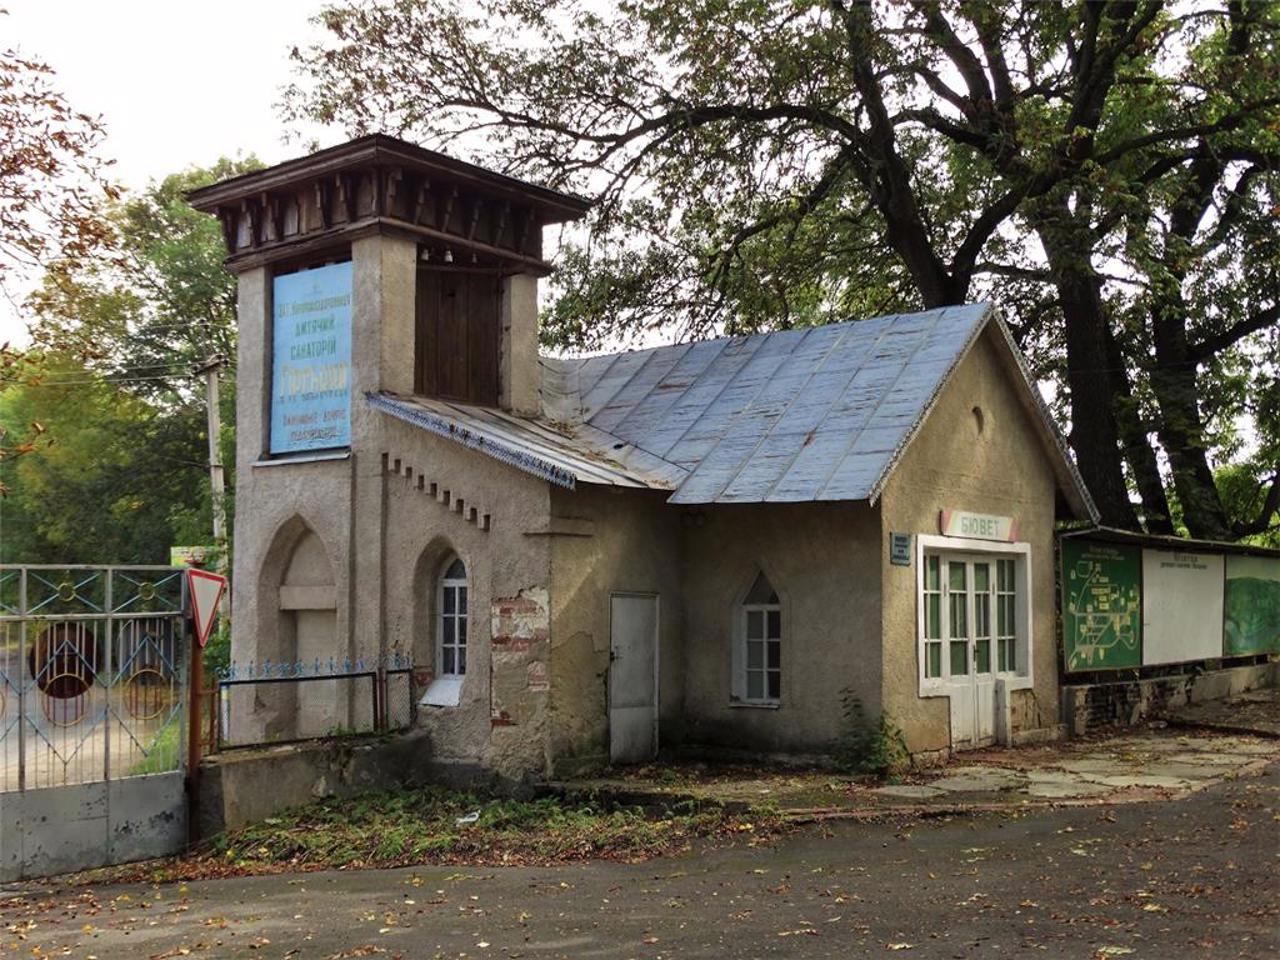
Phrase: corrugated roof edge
(1116, 535)
(1069, 477)
(520, 459)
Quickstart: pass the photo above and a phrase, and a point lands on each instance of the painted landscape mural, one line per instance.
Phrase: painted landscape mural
(1252, 614)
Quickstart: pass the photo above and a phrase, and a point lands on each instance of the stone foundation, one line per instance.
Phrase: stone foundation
(1086, 707)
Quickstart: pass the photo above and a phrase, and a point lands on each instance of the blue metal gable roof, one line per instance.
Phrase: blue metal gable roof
(813, 414)
(822, 413)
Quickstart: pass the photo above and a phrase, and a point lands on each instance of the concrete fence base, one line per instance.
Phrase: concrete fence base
(1087, 707)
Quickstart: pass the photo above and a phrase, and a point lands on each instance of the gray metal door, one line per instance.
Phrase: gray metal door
(633, 677)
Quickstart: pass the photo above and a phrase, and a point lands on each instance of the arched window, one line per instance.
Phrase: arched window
(451, 602)
(760, 658)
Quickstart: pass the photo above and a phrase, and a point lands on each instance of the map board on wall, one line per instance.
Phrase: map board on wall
(1101, 605)
(311, 360)
(1181, 606)
(1252, 623)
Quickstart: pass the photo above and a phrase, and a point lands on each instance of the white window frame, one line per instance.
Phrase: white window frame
(764, 609)
(741, 609)
(445, 689)
(930, 544)
(447, 583)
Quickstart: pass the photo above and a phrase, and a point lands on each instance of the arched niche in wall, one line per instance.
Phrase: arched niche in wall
(298, 574)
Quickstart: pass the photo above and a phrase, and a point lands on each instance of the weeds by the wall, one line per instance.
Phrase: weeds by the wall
(869, 746)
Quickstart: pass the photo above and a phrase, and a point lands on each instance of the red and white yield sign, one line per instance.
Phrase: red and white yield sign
(206, 590)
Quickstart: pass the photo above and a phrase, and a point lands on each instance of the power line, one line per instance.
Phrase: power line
(177, 370)
(100, 380)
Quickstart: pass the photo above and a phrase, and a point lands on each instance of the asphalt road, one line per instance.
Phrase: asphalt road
(1197, 877)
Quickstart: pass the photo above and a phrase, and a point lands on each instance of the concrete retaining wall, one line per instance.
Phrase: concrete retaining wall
(1126, 702)
(240, 786)
(78, 827)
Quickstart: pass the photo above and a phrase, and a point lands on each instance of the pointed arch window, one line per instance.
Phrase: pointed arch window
(451, 602)
(760, 656)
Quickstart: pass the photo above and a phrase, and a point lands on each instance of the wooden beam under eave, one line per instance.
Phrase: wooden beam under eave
(501, 224)
(322, 204)
(348, 194)
(275, 214)
(442, 223)
(325, 241)
(251, 208)
(420, 200)
(230, 221)
(394, 177)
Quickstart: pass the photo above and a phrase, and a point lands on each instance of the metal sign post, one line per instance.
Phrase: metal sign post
(204, 593)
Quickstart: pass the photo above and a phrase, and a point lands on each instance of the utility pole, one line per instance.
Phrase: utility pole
(216, 475)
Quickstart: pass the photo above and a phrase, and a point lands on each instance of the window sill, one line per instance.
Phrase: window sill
(286, 459)
(443, 692)
(755, 704)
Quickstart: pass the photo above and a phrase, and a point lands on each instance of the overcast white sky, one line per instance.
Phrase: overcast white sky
(178, 83)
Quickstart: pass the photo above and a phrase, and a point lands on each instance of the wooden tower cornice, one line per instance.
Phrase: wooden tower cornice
(379, 184)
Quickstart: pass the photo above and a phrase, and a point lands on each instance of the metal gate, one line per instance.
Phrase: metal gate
(93, 663)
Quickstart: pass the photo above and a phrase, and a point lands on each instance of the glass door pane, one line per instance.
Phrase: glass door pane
(982, 617)
(958, 616)
(933, 616)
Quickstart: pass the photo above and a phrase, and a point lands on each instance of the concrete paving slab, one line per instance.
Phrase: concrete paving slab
(1095, 765)
(981, 780)
(1187, 771)
(1208, 759)
(1065, 790)
(910, 791)
(1146, 780)
(1144, 765)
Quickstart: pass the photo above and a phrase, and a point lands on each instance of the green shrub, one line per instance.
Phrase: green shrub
(869, 746)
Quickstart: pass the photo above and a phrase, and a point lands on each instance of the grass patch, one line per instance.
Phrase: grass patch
(421, 826)
(163, 753)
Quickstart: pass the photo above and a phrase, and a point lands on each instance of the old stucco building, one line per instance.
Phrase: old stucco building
(710, 543)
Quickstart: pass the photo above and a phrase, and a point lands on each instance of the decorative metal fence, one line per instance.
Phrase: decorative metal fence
(92, 673)
(261, 703)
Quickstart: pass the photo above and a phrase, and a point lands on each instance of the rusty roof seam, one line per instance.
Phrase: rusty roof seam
(648, 361)
(768, 434)
(759, 341)
(855, 435)
(689, 348)
(525, 462)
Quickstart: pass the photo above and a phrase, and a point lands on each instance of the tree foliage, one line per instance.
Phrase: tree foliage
(120, 481)
(1106, 171)
(160, 304)
(52, 184)
(52, 178)
(111, 383)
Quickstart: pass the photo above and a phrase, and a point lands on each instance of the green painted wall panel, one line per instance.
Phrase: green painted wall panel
(1101, 605)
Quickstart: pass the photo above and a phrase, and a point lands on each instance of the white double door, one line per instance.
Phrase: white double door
(968, 610)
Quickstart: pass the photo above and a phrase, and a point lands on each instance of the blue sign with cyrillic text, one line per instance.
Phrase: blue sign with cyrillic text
(311, 360)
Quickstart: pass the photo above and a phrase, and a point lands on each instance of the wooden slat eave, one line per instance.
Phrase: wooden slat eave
(382, 150)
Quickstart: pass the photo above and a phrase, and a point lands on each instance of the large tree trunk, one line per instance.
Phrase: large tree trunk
(1173, 377)
(1095, 433)
(1181, 429)
(1138, 452)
